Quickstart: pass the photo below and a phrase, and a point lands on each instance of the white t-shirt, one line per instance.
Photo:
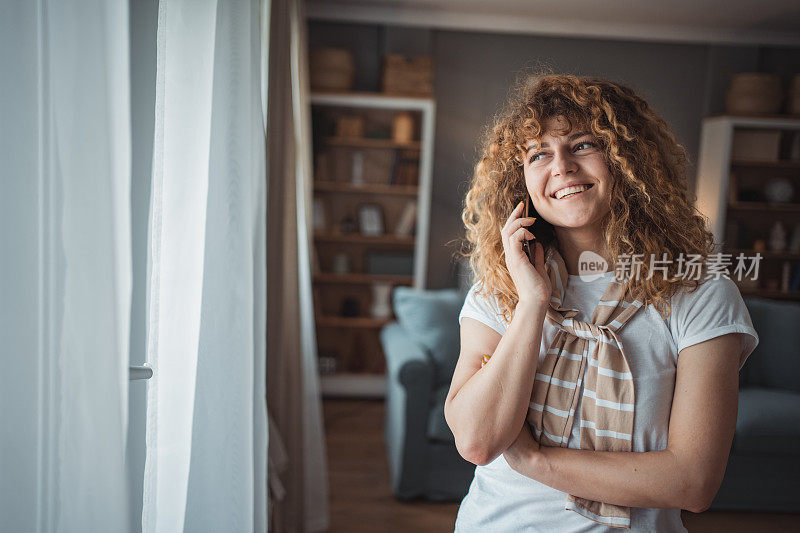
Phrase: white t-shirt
(501, 499)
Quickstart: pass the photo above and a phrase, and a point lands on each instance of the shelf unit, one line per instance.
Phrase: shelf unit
(729, 191)
(352, 341)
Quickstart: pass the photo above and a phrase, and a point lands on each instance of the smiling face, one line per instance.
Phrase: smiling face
(563, 159)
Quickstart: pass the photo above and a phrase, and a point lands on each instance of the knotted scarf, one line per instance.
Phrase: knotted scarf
(607, 398)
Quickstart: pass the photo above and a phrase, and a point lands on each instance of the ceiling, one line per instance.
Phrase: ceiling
(766, 22)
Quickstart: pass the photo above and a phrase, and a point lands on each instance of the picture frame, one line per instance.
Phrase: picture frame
(370, 219)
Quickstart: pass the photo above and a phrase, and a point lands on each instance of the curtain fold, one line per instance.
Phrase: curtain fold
(205, 467)
(298, 467)
(66, 274)
(89, 99)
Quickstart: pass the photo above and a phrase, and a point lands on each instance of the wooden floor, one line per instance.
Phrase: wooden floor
(361, 499)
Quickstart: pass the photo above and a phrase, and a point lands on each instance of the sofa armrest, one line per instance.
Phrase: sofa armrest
(407, 362)
(409, 387)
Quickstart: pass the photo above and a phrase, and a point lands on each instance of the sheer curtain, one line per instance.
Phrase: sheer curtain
(65, 276)
(205, 467)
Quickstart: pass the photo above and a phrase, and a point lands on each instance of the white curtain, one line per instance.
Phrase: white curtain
(66, 267)
(205, 467)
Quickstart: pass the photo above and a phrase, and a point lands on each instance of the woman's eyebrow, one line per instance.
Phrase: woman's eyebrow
(569, 139)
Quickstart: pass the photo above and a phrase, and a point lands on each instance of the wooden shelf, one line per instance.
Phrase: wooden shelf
(764, 206)
(765, 293)
(765, 254)
(367, 188)
(370, 99)
(357, 238)
(330, 277)
(766, 164)
(365, 142)
(352, 322)
(780, 122)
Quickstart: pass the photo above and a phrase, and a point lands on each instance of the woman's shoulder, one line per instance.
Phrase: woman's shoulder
(479, 294)
(483, 304)
(715, 289)
(714, 308)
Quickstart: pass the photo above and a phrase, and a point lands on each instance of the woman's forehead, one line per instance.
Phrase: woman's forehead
(556, 128)
(563, 135)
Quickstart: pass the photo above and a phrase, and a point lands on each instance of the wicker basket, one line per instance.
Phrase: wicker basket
(331, 69)
(350, 126)
(754, 93)
(407, 76)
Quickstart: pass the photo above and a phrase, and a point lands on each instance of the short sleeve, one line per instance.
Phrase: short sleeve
(482, 309)
(714, 309)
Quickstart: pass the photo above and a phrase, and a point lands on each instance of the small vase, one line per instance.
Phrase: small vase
(381, 300)
(777, 237)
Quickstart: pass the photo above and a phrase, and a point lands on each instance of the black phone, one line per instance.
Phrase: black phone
(528, 245)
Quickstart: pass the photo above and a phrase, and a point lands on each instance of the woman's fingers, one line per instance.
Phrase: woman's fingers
(522, 234)
(515, 214)
(515, 241)
(507, 231)
(512, 226)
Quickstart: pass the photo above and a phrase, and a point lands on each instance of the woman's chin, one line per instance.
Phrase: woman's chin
(577, 220)
(575, 224)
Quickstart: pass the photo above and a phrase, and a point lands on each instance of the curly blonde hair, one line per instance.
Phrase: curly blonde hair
(651, 212)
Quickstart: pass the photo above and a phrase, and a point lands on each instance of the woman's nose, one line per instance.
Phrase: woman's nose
(563, 163)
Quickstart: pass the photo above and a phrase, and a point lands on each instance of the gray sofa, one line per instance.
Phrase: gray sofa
(763, 472)
(421, 351)
(422, 347)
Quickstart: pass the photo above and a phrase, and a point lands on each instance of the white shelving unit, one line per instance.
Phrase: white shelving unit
(719, 201)
(714, 165)
(349, 384)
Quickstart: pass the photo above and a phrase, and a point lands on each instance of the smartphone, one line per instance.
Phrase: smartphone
(528, 245)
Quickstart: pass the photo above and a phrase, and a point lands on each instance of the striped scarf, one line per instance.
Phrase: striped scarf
(607, 401)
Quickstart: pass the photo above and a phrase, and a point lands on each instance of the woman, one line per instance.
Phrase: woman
(603, 401)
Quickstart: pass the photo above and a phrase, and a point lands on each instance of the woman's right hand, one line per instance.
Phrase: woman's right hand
(531, 280)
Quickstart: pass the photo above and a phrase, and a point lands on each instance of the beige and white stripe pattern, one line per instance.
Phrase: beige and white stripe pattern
(607, 402)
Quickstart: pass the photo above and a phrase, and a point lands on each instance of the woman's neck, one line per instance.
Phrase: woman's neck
(572, 242)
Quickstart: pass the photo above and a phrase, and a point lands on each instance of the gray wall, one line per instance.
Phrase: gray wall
(473, 70)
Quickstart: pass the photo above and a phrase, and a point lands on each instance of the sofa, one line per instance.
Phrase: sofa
(763, 472)
(421, 350)
(422, 347)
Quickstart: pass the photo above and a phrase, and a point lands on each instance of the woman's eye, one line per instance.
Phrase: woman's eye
(534, 157)
(588, 144)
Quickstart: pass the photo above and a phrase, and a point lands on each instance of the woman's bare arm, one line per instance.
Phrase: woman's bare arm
(687, 474)
(486, 407)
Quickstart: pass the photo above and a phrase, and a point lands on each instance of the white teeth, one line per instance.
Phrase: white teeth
(571, 191)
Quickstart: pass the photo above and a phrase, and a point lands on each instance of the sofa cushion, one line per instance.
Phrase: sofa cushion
(768, 422)
(776, 360)
(438, 430)
(431, 318)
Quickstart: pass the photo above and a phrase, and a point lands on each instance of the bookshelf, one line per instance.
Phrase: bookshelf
(741, 157)
(371, 216)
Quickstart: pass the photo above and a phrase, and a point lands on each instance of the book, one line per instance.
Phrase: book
(408, 218)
